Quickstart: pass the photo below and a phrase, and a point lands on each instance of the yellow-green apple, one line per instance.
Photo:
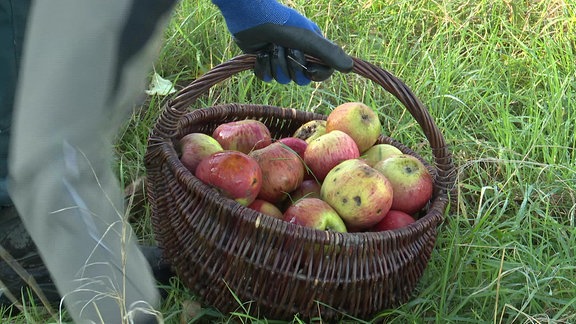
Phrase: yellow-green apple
(282, 171)
(267, 208)
(298, 145)
(311, 130)
(393, 220)
(314, 213)
(361, 195)
(326, 151)
(413, 185)
(242, 135)
(379, 152)
(196, 146)
(235, 174)
(357, 120)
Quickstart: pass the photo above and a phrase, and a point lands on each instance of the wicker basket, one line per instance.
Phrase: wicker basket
(223, 251)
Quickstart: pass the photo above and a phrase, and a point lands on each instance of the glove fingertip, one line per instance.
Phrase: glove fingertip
(339, 60)
(347, 64)
(265, 78)
(282, 81)
(318, 73)
(281, 77)
(301, 79)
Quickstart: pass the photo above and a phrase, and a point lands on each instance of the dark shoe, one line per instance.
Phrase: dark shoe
(19, 259)
(23, 255)
(161, 269)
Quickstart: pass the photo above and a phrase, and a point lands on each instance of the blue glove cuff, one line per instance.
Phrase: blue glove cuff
(244, 14)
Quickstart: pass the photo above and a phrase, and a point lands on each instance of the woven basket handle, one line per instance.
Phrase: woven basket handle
(176, 108)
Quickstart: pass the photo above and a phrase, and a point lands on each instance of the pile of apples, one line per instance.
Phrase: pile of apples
(329, 175)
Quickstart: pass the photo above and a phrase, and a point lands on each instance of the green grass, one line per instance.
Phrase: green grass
(499, 79)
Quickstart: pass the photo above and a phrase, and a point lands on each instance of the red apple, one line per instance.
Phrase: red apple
(235, 174)
(196, 146)
(243, 135)
(311, 130)
(267, 208)
(413, 185)
(314, 213)
(282, 171)
(380, 152)
(309, 188)
(326, 151)
(393, 220)
(357, 120)
(361, 195)
(298, 145)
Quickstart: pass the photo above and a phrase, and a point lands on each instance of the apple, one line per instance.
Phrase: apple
(314, 213)
(242, 135)
(196, 146)
(326, 151)
(412, 182)
(235, 174)
(267, 208)
(357, 120)
(309, 188)
(282, 171)
(311, 130)
(379, 152)
(361, 195)
(393, 220)
(298, 145)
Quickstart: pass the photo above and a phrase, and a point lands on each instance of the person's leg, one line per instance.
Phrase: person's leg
(14, 239)
(13, 236)
(84, 65)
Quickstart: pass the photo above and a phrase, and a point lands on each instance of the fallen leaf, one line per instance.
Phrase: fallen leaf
(160, 86)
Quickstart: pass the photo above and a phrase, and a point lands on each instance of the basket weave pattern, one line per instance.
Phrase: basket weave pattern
(220, 248)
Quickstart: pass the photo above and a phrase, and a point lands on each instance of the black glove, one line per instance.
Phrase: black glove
(280, 36)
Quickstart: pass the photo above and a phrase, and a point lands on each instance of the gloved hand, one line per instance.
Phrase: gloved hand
(280, 36)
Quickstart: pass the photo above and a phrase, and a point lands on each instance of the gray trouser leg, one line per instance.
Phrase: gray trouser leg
(84, 65)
